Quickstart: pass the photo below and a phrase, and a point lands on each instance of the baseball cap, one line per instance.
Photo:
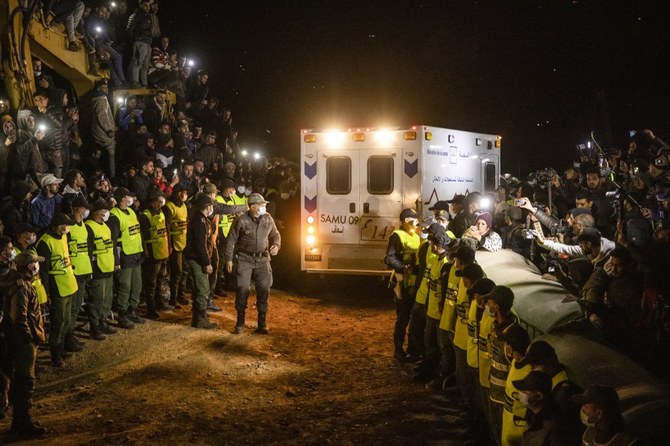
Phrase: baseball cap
(100, 204)
(481, 286)
(471, 271)
(604, 397)
(536, 381)
(440, 238)
(427, 222)
(201, 201)
(501, 295)
(458, 199)
(441, 205)
(465, 254)
(580, 211)
(517, 337)
(49, 179)
(209, 188)
(27, 257)
(255, 199)
(121, 192)
(24, 227)
(79, 202)
(406, 213)
(442, 215)
(226, 183)
(539, 352)
(62, 219)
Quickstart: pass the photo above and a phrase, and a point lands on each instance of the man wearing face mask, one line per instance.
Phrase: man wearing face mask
(100, 287)
(80, 254)
(58, 276)
(156, 237)
(499, 305)
(126, 231)
(253, 238)
(401, 253)
(175, 211)
(601, 414)
(25, 237)
(542, 418)
(24, 331)
(229, 197)
(198, 253)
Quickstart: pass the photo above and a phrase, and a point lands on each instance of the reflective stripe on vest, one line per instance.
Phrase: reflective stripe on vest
(461, 324)
(41, 291)
(558, 379)
(178, 225)
(514, 413)
(78, 244)
(158, 236)
(60, 266)
(102, 246)
(448, 320)
(499, 365)
(485, 327)
(131, 236)
(409, 247)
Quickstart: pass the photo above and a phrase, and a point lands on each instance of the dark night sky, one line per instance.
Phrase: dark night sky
(500, 67)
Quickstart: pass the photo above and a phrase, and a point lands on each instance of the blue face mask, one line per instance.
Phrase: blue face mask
(262, 210)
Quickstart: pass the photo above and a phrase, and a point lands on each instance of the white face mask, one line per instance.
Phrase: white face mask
(34, 269)
(241, 189)
(262, 210)
(87, 212)
(32, 239)
(585, 419)
(523, 398)
(161, 200)
(131, 200)
(489, 312)
(66, 230)
(424, 236)
(12, 255)
(105, 216)
(210, 212)
(247, 192)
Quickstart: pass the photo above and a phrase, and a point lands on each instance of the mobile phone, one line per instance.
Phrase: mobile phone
(636, 170)
(41, 127)
(632, 133)
(174, 172)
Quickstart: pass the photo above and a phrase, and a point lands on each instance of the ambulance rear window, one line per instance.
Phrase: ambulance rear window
(490, 177)
(380, 175)
(338, 175)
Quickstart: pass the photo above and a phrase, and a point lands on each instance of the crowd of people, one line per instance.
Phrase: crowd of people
(601, 229)
(78, 240)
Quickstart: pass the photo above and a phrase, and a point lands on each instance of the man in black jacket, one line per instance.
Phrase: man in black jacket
(139, 29)
(198, 253)
(50, 119)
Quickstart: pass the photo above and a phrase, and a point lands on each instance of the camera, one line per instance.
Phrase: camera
(527, 234)
(518, 202)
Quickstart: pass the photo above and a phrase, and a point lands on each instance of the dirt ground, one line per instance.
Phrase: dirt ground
(324, 375)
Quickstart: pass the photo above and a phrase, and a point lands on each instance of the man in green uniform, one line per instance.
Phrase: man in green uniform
(175, 211)
(24, 332)
(229, 197)
(100, 287)
(126, 231)
(58, 276)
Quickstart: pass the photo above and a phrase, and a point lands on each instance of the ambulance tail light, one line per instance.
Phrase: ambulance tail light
(310, 238)
(429, 136)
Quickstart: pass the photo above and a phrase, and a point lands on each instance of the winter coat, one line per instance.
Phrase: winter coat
(103, 120)
(139, 26)
(27, 158)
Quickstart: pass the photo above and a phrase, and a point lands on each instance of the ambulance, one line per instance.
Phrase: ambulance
(356, 182)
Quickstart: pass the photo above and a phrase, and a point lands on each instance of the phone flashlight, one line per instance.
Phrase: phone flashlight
(42, 127)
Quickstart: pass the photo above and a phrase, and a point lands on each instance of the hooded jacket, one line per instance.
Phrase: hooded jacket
(27, 158)
(103, 119)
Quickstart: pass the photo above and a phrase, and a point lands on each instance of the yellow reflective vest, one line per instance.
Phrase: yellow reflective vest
(131, 235)
(499, 364)
(178, 225)
(42, 296)
(435, 288)
(60, 266)
(514, 413)
(473, 333)
(158, 236)
(226, 221)
(422, 292)
(409, 247)
(103, 246)
(79, 255)
(485, 327)
(461, 324)
(448, 320)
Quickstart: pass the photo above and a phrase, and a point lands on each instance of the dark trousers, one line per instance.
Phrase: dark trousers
(258, 269)
(60, 316)
(447, 354)
(100, 295)
(128, 284)
(177, 275)
(150, 283)
(225, 279)
(462, 367)
(78, 300)
(23, 381)
(200, 287)
(403, 311)
(417, 326)
(213, 278)
(431, 357)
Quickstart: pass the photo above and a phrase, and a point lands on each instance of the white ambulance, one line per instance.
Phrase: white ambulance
(356, 182)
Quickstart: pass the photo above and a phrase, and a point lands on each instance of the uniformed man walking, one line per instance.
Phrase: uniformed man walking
(58, 276)
(252, 239)
(24, 331)
(228, 196)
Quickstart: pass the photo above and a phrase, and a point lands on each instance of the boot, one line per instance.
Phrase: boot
(134, 317)
(72, 344)
(124, 321)
(175, 304)
(203, 322)
(24, 428)
(95, 332)
(211, 306)
(92, 65)
(183, 300)
(56, 358)
(239, 325)
(262, 326)
(106, 329)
